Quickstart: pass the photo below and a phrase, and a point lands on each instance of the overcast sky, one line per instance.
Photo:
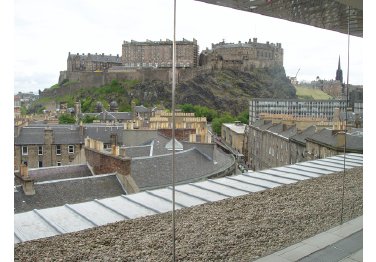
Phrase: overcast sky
(45, 31)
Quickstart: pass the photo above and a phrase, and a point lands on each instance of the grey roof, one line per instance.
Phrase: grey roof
(70, 218)
(67, 191)
(34, 135)
(138, 151)
(279, 129)
(109, 116)
(301, 136)
(59, 172)
(142, 109)
(326, 137)
(96, 58)
(263, 125)
(103, 133)
(191, 164)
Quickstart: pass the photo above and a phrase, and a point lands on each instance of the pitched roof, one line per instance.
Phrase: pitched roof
(327, 138)
(301, 136)
(34, 135)
(191, 164)
(67, 191)
(103, 133)
(75, 217)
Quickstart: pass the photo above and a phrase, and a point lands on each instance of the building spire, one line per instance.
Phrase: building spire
(339, 75)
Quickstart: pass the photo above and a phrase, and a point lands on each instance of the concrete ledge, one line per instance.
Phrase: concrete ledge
(318, 242)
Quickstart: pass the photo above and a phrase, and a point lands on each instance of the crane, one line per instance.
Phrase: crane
(297, 73)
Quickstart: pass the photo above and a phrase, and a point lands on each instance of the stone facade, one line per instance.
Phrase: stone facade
(156, 54)
(91, 62)
(233, 135)
(243, 56)
(47, 152)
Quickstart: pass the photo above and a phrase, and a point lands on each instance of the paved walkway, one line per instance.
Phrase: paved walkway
(343, 243)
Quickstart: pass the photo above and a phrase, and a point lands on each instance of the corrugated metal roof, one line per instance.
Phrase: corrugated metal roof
(74, 217)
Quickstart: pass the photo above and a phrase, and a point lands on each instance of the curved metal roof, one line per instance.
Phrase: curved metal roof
(40, 223)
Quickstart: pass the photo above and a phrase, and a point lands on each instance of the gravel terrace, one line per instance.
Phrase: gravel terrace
(237, 229)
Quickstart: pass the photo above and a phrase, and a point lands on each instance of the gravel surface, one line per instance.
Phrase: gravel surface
(237, 229)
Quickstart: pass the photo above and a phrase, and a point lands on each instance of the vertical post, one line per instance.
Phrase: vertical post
(173, 132)
(347, 104)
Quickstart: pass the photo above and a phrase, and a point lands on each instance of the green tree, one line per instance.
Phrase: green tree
(66, 119)
(243, 117)
(88, 119)
(217, 122)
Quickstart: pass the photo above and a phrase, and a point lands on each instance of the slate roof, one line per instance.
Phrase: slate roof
(103, 133)
(278, 129)
(141, 109)
(354, 143)
(301, 136)
(96, 58)
(154, 172)
(34, 135)
(60, 172)
(138, 151)
(262, 125)
(67, 191)
(43, 223)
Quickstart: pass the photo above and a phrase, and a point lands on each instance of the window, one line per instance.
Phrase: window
(71, 149)
(40, 164)
(58, 163)
(24, 151)
(58, 149)
(40, 150)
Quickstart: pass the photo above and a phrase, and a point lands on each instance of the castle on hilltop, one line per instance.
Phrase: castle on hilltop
(158, 54)
(242, 56)
(152, 60)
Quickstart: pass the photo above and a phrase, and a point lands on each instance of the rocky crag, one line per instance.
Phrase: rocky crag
(223, 90)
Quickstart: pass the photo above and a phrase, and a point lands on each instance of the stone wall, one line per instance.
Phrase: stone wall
(105, 163)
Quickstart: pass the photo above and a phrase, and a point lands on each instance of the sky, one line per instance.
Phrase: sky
(45, 31)
(37, 36)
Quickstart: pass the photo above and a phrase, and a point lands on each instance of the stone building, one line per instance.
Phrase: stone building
(331, 142)
(268, 145)
(243, 56)
(91, 62)
(44, 146)
(233, 135)
(294, 107)
(163, 120)
(58, 145)
(158, 54)
(298, 152)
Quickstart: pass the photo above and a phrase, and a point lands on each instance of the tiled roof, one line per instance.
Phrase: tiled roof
(153, 172)
(138, 151)
(103, 133)
(141, 109)
(326, 137)
(59, 172)
(300, 137)
(67, 191)
(62, 135)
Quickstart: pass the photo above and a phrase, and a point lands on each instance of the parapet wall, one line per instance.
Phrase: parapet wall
(105, 163)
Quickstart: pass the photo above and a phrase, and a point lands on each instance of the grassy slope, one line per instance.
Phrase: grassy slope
(309, 93)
